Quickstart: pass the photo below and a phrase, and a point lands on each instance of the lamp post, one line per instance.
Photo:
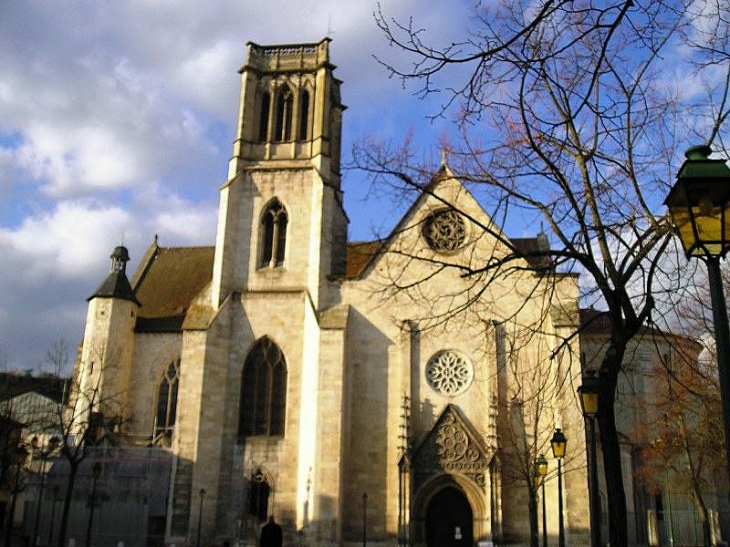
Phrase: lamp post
(699, 204)
(53, 513)
(95, 474)
(201, 495)
(589, 404)
(364, 519)
(541, 466)
(43, 454)
(18, 460)
(558, 443)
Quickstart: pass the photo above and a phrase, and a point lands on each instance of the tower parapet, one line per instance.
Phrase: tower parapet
(279, 58)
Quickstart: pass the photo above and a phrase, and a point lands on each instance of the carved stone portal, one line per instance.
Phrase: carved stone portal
(453, 446)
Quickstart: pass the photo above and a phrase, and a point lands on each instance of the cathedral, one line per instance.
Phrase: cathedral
(385, 392)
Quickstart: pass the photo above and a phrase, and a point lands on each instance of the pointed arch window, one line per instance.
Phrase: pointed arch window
(264, 116)
(263, 391)
(284, 108)
(303, 133)
(274, 223)
(167, 401)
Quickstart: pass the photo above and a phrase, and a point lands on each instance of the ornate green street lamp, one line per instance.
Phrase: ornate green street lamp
(699, 204)
(558, 443)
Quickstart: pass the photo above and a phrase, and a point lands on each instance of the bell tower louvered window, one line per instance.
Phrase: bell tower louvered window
(284, 108)
(264, 116)
(303, 133)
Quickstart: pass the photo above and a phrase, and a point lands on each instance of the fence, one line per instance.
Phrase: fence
(130, 500)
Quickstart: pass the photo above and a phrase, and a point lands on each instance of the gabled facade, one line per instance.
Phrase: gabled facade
(334, 385)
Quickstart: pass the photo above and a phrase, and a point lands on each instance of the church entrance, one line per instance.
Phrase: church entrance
(449, 521)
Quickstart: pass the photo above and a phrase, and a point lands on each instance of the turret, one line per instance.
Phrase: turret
(106, 357)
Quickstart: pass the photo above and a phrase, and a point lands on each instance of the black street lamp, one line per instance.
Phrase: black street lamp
(19, 457)
(558, 443)
(589, 404)
(53, 514)
(201, 495)
(364, 519)
(699, 204)
(43, 454)
(95, 474)
(541, 466)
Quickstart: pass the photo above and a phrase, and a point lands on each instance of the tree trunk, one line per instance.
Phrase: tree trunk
(705, 516)
(73, 467)
(618, 531)
(533, 518)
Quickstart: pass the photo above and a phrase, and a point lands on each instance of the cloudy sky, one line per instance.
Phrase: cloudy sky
(117, 121)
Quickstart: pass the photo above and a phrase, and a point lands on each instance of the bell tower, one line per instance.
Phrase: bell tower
(281, 224)
(290, 108)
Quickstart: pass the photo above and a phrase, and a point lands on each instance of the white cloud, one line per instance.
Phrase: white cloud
(117, 122)
(66, 243)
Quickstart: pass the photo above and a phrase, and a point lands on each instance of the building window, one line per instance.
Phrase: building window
(284, 107)
(449, 373)
(274, 224)
(303, 115)
(263, 391)
(445, 231)
(167, 401)
(264, 116)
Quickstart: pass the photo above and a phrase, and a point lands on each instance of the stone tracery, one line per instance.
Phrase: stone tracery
(444, 231)
(449, 373)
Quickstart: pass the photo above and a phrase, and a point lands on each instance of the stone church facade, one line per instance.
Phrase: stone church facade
(358, 392)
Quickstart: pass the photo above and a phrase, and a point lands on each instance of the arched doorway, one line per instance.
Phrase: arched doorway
(449, 520)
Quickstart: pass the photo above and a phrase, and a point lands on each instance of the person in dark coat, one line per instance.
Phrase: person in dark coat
(271, 534)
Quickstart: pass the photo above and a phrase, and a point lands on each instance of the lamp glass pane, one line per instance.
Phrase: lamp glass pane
(590, 403)
(698, 213)
(558, 450)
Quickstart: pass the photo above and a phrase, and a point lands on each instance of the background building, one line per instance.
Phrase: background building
(667, 413)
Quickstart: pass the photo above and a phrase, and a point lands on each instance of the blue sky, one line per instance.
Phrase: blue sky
(117, 121)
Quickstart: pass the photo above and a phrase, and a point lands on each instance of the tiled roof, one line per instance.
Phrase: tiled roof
(167, 282)
(358, 255)
(116, 285)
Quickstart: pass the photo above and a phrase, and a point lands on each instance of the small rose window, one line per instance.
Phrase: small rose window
(449, 373)
(444, 230)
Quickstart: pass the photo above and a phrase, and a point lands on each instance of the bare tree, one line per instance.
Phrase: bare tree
(12, 458)
(526, 412)
(571, 114)
(84, 419)
(686, 439)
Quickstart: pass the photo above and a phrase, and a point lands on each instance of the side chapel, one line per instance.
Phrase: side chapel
(329, 384)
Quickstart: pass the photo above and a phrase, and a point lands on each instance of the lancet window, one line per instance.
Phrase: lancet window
(264, 116)
(303, 133)
(273, 225)
(167, 401)
(263, 391)
(284, 110)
